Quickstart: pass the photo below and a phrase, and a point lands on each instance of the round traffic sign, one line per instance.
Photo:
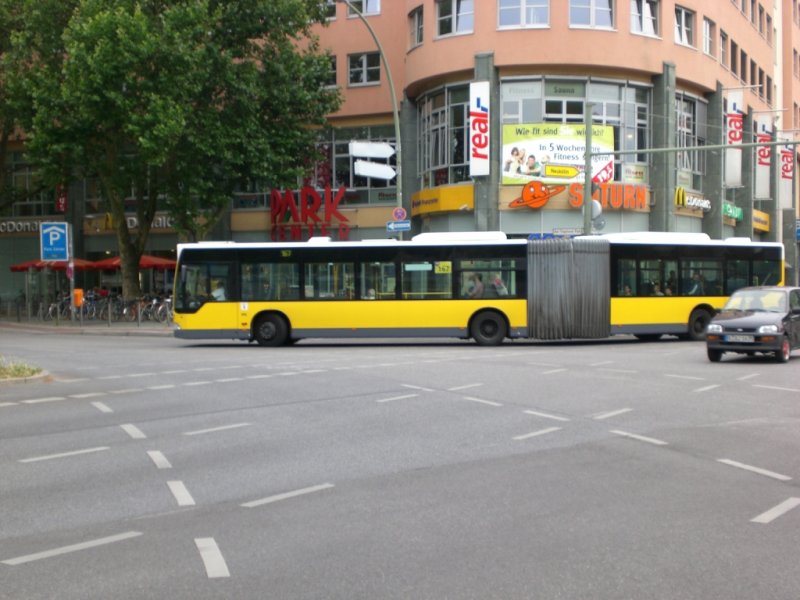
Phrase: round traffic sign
(399, 214)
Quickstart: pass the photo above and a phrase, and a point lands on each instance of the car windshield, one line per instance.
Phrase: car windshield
(770, 301)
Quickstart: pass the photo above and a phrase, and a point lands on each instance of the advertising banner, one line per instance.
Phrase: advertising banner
(786, 177)
(479, 119)
(555, 153)
(734, 137)
(763, 157)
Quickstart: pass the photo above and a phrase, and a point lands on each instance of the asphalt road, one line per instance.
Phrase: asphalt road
(147, 467)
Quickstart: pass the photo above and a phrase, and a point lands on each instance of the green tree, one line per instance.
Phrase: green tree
(176, 104)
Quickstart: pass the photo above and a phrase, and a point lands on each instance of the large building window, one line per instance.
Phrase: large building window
(644, 17)
(365, 7)
(443, 137)
(709, 36)
(364, 68)
(591, 13)
(334, 167)
(454, 16)
(523, 13)
(684, 26)
(723, 48)
(415, 26)
(692, 121)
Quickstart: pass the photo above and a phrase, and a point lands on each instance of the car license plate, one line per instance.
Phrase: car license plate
(740, 338)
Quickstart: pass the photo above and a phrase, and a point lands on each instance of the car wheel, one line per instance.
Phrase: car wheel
(488, 329)
(698, 321)
(271, 330)
(714, 355)
(783, 354)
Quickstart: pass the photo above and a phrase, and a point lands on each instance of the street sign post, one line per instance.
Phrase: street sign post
(54, 241)
(365, 168)
(371, 149)
(398, 226)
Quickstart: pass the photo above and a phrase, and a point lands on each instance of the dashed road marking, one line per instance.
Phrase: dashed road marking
(777, 388)
(103, 408)
(481, 401)
(537, 433)
(392, 399)
(707, 388)
(72, 548)
(214, 429)
(752, 469)
(212, 558)
(613, 413)
(41, 400)
(777, 511)
(287, 495)
(182, 495)
(641, 438)
(64, 454)
(545, 415)
(159, 459)
(133, 431)
(458, 388)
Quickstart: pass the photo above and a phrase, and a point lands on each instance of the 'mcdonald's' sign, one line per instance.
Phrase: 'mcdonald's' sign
(479, 119)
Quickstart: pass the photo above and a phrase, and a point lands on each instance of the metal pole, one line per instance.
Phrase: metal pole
(587, 171)
(395, 111)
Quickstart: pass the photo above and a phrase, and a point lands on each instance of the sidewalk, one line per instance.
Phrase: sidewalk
(88, 327)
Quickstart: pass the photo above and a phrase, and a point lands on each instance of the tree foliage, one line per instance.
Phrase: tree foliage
(171, 104)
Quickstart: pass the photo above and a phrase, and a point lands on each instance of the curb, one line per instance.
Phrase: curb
(30, 379)
(98, 329)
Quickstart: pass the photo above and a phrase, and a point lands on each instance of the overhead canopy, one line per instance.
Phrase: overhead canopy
(79, 264)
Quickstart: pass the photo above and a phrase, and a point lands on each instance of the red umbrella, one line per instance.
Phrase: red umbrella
(147, 261)
(28, 264)
(79, 264)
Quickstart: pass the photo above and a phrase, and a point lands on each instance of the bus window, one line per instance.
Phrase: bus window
(766, 272)
(329, 281)
(202, 283)
(736, 275)
(377, 281)
(626, 277)
(270, 281)
(427, 280)
(701, 278)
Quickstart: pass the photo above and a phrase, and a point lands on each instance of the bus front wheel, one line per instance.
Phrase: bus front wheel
(271, 330)
(488, 329)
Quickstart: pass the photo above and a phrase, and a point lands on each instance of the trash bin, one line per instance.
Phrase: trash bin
(77, 297)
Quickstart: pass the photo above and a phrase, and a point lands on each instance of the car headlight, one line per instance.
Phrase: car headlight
(768, 329)
(714, 328)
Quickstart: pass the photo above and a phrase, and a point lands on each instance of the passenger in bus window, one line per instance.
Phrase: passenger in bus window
(657, 289)
(475, 286)
(626, 290)
(696, 287)
(218, 293)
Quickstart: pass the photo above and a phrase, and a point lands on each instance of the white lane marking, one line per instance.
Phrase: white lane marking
(213, 560)
(72, 548)
(288, 373)
(197, 383)
(221, 428)
(88, 395)
(287, 495)
(264, 376)
(707, 388)
(416, 387)
(309, 371)
(2, 404)
(109, 377)
(201, 369)
(174, 371)
(102, 407)
(777, 511)
(746, 377)
(464, 387)
(543, 364)
(40, 400)
(228, 379)
(691, 377)
(641, 438)
(73, 380)
(392, 399)
(738, 465)
(537, 433)
(481, 401)
(545, 415)
(127, 391)
(181, 494)
(159, 459)
(133, 431)
(64, 454)
(621, 370)
(231, 367)
(167, 386)
(601, 363)
(140, 374)
(775, 387)
(612, 413)
(552, 371)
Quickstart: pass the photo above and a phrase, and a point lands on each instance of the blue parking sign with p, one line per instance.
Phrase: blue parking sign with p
(54, 238)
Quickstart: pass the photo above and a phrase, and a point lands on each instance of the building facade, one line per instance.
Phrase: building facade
(490, 101)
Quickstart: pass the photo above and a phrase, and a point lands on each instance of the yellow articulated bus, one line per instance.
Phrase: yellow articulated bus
(466, 285)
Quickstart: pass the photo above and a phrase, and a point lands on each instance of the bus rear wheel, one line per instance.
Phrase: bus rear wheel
(488, 329)
(698, 321)
(271, 330)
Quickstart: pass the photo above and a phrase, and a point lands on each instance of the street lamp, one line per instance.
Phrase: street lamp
(395, 111)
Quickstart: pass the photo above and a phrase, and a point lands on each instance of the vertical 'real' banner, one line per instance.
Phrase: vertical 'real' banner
(786, 177)
(734, 137)
(479, 118)
(763, 157)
